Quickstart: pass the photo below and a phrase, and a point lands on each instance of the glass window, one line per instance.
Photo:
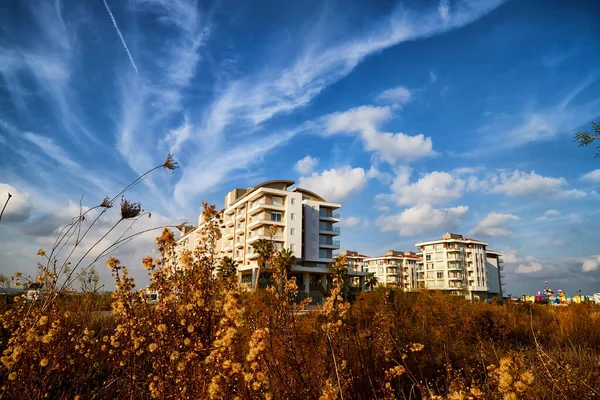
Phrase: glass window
(428, 257)
(293, 201)
(276, 217)
(292, 247)
(277, 201)
(293, 216)
(440, 275)
(313, 237)
(292, 231)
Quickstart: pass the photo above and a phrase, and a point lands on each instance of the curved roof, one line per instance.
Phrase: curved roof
(268, 183)
(309, 193)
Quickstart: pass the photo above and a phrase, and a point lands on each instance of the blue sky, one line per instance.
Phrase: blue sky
(420, 117)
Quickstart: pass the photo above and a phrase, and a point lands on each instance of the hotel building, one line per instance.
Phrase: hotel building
(395, 268)
(303, 221)
(461, 266)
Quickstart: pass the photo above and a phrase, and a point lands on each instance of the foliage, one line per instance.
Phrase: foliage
(584, 139)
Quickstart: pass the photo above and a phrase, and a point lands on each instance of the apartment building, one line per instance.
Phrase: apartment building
(357, 267)
(495, 274)
(293, 218)
(458, 265)
(395, 268)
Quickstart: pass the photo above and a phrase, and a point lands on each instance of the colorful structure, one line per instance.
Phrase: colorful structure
(549, 296)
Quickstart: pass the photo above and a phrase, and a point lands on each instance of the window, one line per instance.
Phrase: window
(293, 201)
(428, 257)
(380, 270)
(277, 201)
(439, 256)
(293, 216)
(276, 217)
(292, 231)
(313, 222)
(313, 237)
(292, 247)
(440, 275)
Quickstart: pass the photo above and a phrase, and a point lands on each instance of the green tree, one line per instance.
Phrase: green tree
(584, 139)
(286, 260)
(264, 249)
(228, 267)
(371, 280)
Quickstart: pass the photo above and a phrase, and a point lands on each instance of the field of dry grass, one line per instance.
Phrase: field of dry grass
(206, 338)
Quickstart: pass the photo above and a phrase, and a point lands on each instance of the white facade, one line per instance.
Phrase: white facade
(295, 219)
(357, 267)
(455, 264)
(396, 268)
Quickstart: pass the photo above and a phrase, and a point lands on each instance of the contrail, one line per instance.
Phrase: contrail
(121, 36)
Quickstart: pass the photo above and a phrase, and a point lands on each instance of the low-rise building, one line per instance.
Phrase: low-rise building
(395, 268)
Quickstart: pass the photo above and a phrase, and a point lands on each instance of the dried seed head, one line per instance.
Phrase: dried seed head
(106, 203)
(170, 163)
(130, 210)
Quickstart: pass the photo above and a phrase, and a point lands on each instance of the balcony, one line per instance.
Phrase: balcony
(228, 234)
(256, 236)
(240, 229)
(330, 244)
(228, 248)
(334, 231)
(240, 216)
(453, 266)
(455, 278)
(251, 256)
(264, 204)
(392, 271)
(454, 250)
(263, 219)
(239, 244)
(228, 221)
(329, 216)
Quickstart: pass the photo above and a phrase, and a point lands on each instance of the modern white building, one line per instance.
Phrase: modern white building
(495, 274)
(357, 267)
(395, 268)
(302, 221)
(460, 265)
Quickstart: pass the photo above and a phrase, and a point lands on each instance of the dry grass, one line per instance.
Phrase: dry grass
(207, 338)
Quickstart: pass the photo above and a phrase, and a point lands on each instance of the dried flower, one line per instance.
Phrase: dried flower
(44, 362)
(41, 253)
(106, 203)
(170, 163)
(130, 210)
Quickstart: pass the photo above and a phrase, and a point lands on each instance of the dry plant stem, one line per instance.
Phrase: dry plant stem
(335, 365)
(5, 204)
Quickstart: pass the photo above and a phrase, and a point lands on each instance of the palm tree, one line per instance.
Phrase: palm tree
(286, 260)
(371, 280)
(228, 267)
(264, 249)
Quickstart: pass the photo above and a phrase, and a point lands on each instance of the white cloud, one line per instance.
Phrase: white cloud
(335, 184)
(375, 173)
(432, 77)
(531, 267)
(591, 264)
(391, 147)
(493, 225)
(547, 215)
(306, 165)
(510, 256)
(520, 183)
(422, 219)
(444, 10)
(350, 222)
(176, 137)
(433, 188)
(18, 207)
(399, 96)
(592, 176)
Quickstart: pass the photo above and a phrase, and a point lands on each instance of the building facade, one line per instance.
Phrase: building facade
(495, 274)
(395, 268)
(357, 267)
(293, 218)
(458, 265)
